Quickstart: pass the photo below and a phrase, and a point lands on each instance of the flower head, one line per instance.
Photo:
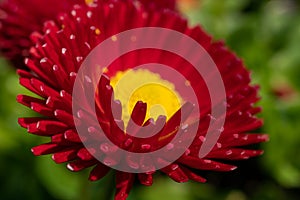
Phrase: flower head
(163, 107)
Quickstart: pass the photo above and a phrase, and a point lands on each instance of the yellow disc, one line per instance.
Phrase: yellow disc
(143, 85)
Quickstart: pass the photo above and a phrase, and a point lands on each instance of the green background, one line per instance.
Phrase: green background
(266, 35)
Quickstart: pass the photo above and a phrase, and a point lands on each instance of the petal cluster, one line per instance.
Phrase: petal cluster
(54, 62)
(18, 19)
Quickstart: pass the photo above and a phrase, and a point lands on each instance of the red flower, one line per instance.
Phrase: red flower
(19, 19)
(54, 63)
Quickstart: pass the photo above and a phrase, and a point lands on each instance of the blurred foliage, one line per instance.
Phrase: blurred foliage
(266, 35)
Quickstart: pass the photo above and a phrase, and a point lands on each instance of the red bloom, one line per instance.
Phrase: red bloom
(54, 63)
(18, 19)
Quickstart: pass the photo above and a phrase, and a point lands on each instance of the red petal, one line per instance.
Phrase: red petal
(72, 136)
(124, 183)
(234, 154)
(242, 139)
(98, 172)
(27, 100)
(137, 117)
(42, 109)
(51, 126)
(84, 154)
(64, 156)
(80, 165)
(192, 175)
(146, 178)
(45, 149)
(25, 122)
(65, 117)
(203, 164)
(176, 173)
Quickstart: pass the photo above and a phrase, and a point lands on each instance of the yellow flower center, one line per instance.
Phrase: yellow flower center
(143, 85)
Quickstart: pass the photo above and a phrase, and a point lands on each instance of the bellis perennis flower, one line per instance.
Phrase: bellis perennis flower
(54, 62)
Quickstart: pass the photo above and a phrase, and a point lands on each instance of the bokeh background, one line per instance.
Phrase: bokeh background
(266, 35)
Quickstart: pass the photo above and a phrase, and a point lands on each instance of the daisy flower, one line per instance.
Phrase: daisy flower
(55, 61)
